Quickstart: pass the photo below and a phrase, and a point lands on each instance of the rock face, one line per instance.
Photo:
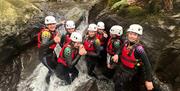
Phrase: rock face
(163, 50)
(15, 16)
(20, 21)
(19, 27)
(89, 86)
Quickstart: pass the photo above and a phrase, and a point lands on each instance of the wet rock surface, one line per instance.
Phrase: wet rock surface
(162, 42)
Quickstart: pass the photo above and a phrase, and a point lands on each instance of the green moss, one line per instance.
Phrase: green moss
(119, 5)
(135, 11)
(131, 11)
(112, 2)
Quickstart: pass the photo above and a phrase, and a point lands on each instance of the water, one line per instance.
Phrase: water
(36, 81)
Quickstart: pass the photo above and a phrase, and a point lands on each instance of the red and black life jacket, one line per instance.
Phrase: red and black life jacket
(127, 57)
(61, 54)
(52, 37)
(100, 37)
(89, 45)
(110, 49)
(67, 38)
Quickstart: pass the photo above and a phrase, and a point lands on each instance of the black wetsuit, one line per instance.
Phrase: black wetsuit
(68, 72)
(127, 79)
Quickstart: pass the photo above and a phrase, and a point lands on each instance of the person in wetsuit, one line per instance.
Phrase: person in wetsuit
(69, 57)
(133, 58)
(47, 39)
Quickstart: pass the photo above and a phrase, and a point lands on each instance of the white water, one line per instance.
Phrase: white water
(36, 81)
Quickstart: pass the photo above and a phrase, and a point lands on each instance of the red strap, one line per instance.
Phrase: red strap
(60, 60)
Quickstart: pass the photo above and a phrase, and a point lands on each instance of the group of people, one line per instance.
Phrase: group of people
(124, 52)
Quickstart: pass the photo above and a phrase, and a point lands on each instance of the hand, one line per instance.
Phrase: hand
(82, 50)
(149, 85)
(57, 39)
(109, 66)
(105, 35)
(115, 58)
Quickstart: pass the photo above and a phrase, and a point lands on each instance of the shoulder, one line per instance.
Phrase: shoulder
(139, 48)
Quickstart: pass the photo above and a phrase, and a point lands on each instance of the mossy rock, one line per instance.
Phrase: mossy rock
(112, 2)
(131, 11)
(135, 11)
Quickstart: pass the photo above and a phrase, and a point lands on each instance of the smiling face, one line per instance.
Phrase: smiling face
(70, 30)
(100, 30)
(51, 27)
(113, 35)
(133, 37)
(92, 33)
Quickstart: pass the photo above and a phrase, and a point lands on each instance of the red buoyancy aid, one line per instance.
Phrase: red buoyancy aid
(100, 37)
(89, 45)
(61, 58)
(67, 38)
(110, 49)
(52, 37)
(128, 60)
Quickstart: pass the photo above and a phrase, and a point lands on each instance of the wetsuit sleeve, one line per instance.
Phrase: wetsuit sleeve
(58, 25)
(76, 60)
(79, 21)
(139, 51)
(62, 40)
(97, 49)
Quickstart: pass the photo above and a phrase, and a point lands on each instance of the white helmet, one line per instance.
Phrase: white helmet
(136, 28)
(92, 27)
(76, 37)
(116, 29)
(70, 24)
(100, 25)
(50, 20)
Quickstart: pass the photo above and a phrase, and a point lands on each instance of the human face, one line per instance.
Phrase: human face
(51, 27)
(92, 33)
(77, 44)
(100, 30)
(132, 37)
(70, 30)
(112, 35)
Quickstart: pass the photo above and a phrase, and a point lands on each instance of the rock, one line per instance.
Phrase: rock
(74, 14)
(88, 86)
(172, 27)
(154, 40)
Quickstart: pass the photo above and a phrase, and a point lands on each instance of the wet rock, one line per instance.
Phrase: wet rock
(88, 86)
(13, 27)
(96, 9)
(162, 52)
(167, 68)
